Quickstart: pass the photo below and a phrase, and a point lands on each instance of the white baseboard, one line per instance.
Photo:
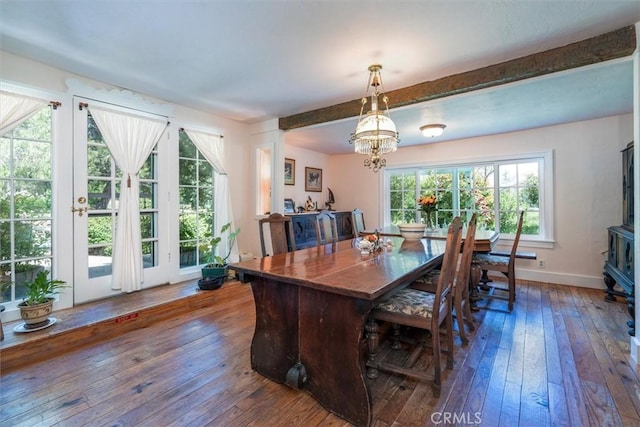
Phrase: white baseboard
(593, 282)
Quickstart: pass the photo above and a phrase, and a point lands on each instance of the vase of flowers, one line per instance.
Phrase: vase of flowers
(428, 205)
(369, 244)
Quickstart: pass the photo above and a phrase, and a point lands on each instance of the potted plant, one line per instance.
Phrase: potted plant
(37, 304)
(217, 267)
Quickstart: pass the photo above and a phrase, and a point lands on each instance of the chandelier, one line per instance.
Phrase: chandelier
(375, 133)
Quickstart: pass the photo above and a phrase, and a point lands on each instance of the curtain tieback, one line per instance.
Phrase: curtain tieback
(129, 181)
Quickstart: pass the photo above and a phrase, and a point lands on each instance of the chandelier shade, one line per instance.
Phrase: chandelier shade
(375, 133)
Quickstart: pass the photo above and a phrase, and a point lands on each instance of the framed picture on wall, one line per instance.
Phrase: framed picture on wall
(312, 179)
(289, 172)
(289, 206)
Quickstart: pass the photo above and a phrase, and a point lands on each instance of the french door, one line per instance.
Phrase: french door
(96, 190)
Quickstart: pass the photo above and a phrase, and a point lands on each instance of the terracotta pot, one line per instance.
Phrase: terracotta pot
(37, 315)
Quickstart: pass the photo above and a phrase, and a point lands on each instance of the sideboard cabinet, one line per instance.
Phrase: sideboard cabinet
(304, 228)
(618, 268)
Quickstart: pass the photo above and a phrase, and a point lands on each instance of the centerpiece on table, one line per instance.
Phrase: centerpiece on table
(428, 204)
(369, 244)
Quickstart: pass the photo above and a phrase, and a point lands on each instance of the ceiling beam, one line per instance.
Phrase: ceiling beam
(615, 44)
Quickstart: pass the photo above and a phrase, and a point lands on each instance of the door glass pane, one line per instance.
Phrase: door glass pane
(100, 192)
(149, 210)
(32, 199)
(98, 160)
(102, 202)
(28, 155)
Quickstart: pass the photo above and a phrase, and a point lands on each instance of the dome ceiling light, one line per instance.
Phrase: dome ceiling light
(431, 131)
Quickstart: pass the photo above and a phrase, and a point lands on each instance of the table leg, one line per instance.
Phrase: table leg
(474, 280)
(274, 348)
(484, 280)
(319, 331)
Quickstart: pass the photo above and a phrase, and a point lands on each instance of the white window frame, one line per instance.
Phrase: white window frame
(200, 158)
(192, 272)
(545, 159)
(61, 265)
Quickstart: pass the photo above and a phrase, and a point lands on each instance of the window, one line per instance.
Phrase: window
(25, 202)
(196, 187)
(495, 190)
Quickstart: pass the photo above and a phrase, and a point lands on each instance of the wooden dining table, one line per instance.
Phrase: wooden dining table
(311, 308)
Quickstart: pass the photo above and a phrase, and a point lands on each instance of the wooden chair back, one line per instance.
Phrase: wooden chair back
(326, 228)
(442, 302)
(281, 232)
(357, 222)
(466, 258)
(504, 265)
(461, 300)
(516, 240)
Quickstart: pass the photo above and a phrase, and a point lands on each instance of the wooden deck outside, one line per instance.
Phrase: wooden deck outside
(561, 358)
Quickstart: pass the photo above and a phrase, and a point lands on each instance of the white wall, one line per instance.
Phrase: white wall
(307, 158)
(588, 188)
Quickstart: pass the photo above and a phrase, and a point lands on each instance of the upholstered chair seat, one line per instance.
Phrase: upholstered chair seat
(490, 259)
(411, 302)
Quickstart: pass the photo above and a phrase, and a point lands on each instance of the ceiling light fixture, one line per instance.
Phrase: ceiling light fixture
(431, 131)
(375, 133)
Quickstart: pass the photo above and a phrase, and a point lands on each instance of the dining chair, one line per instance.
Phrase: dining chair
(357, 221)
(326, 228)
(281, 231)
(505, 265)
(461, 302)
(423, 310)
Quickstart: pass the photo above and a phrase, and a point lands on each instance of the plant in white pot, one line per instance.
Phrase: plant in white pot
(217, 267)
(37, 303)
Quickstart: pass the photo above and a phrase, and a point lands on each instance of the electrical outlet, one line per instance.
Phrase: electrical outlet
(540, 263)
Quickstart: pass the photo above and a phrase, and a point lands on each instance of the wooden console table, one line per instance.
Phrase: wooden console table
(304, 229)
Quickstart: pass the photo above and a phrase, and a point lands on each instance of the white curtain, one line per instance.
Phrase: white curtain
(15, 109)
(130, 140)
(212, 148)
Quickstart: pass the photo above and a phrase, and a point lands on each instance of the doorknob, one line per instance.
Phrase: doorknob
(80, 211)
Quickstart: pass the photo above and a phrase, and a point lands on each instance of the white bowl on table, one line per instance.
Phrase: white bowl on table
(412, 231)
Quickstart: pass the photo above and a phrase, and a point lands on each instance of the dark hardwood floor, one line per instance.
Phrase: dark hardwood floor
(561, 358)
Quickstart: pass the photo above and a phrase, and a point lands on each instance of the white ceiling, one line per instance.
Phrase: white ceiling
(250, 60)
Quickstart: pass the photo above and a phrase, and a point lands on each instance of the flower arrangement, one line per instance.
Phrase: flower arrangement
(371, 238)
(369, 243)
(428, 204)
